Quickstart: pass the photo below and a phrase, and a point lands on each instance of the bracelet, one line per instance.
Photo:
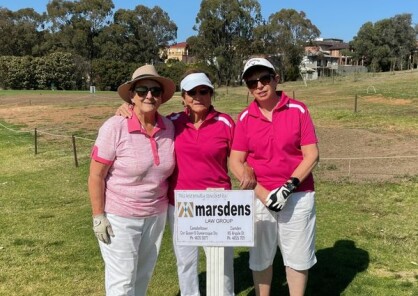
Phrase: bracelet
(292, 184)
(295, 181)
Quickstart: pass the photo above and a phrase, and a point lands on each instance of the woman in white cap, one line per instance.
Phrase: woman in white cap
(131, 161)
(276, 137)
(203, 139)
(204, 132)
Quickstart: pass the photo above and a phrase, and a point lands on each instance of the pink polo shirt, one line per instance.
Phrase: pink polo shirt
(136, 185)
(201, 154)
(274, 147)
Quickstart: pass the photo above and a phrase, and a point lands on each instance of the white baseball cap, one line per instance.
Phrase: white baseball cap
(195, 79)
(257, 62)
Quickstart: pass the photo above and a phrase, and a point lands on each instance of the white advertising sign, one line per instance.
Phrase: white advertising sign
(214, 218)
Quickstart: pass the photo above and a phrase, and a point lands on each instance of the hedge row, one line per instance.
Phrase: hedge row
(66, 71)
(56, 71)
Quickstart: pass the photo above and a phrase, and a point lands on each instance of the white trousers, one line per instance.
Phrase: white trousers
(131, 256)
(187, 265)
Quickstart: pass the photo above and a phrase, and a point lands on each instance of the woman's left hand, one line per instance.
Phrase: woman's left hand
(124, 110)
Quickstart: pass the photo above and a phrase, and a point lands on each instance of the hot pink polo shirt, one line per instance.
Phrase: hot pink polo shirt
(201, 154)
(274, 148)
(136, 185)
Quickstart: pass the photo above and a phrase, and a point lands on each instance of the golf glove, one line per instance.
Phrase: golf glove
(277, 198)
(102, 228)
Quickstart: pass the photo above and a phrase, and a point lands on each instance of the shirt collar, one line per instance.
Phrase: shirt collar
(254, 110)
(135, 125)
(211, 113)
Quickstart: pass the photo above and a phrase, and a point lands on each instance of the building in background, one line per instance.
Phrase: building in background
(326, 57)
(179, 52)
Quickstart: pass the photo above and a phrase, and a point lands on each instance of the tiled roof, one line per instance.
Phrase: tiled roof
(179, 45)
(339, 46)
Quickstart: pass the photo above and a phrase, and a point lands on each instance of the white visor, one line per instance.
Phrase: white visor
(195, 79)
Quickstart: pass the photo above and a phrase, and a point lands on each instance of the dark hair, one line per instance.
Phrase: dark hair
(259, 68)
(255, 69)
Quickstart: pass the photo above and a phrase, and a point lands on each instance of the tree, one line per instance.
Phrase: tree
(225, 31)
(76, 26)
(137, 35)
(16, 72)
(111, 73)
(288, 32)
(57, 70)
(20, 32)
(387, 44)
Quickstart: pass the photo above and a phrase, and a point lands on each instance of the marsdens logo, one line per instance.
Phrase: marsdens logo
(185, 209)
(190, 209)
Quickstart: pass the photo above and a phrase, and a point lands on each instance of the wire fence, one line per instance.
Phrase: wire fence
(367, 168)
(329, 168)
(38, 134)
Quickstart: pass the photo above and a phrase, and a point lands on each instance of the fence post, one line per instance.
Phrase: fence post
(36, 141)
(75, 151)
(293, 94)
(355, 104)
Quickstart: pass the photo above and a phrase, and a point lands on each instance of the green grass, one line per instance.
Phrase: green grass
(367, 232)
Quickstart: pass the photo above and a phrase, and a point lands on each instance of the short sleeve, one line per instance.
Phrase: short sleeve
(240, 142)
(308, 135)
(104, 150)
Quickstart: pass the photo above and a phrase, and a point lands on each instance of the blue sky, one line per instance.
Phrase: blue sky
(338, 19)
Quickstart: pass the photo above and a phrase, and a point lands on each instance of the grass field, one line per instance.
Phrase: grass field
(367, 190)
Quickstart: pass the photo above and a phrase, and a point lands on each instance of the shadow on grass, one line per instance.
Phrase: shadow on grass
(337, 266)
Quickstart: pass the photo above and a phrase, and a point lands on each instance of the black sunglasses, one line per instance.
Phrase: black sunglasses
(142, 91)
(265, 79)
(201, 92)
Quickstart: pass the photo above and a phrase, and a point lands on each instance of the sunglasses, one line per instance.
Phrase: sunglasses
(201, 92)
(265, 79)
(142, 91)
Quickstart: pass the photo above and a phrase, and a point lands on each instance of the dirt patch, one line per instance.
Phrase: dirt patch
(386, 101)
(408, 276)
(345, 153)
(365, 155)
(50, 118)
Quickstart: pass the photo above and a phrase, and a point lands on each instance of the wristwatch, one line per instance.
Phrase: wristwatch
(292, 184)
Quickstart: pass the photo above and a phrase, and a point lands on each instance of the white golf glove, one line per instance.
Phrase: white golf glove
(102, 228)
(277, 198)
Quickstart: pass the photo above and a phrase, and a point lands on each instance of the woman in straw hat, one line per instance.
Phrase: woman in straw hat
(131, 161)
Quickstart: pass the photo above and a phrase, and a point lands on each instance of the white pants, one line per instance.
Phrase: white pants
(187, 265)
(131, 256)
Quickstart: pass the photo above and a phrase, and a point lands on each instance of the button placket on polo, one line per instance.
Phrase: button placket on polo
(154, 148)
(153, 142)
(275, 127)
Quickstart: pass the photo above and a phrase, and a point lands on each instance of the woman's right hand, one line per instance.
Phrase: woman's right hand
(102, 228)
(248, 180)
(124, 110)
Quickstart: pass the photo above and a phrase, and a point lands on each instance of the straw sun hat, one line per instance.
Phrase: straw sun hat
(147, 72)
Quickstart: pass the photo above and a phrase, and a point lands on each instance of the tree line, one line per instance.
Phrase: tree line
(75, 44)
